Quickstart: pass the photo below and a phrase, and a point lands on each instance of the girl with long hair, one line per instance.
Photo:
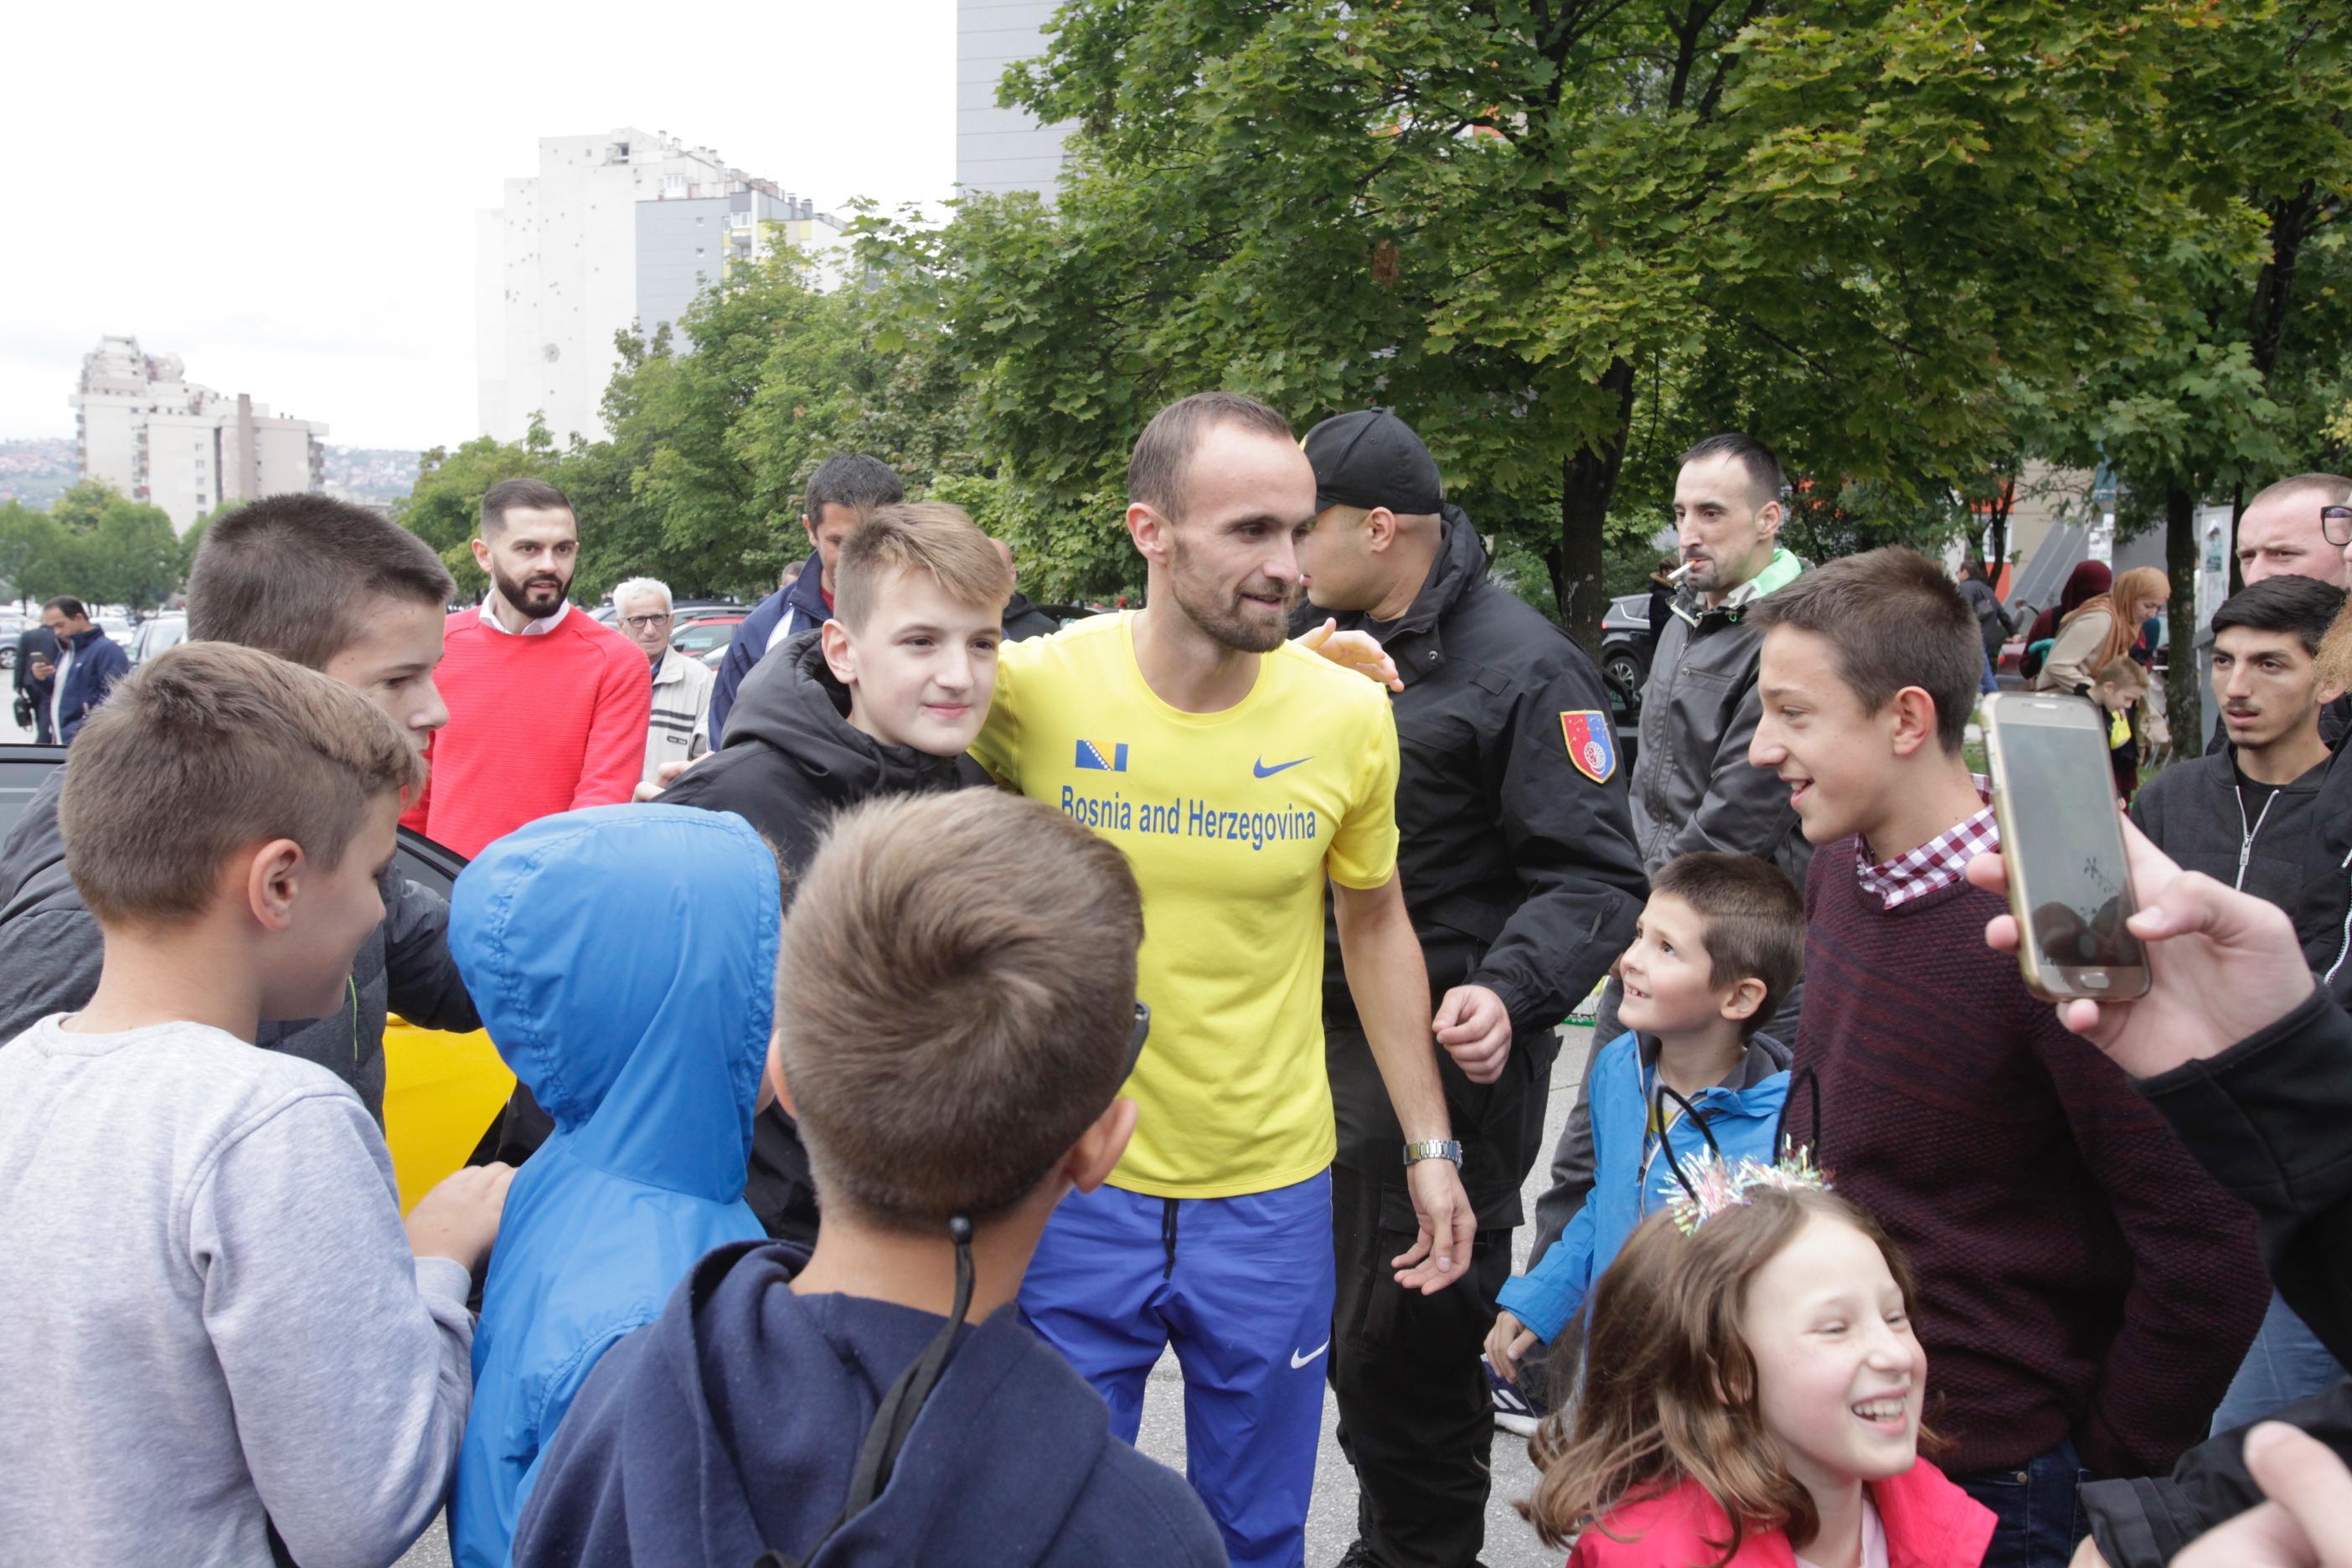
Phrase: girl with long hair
(1753, 1397)
(2102, 630)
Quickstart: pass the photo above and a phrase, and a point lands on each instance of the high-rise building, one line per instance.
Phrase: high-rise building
(615, 231)
(1002, 150)
(140, 424)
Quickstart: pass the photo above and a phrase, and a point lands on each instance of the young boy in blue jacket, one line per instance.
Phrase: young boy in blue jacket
(953, 1052)
(1719, 944)
(624, 960)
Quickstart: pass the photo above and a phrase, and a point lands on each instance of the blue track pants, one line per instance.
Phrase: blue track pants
(1242, 1288)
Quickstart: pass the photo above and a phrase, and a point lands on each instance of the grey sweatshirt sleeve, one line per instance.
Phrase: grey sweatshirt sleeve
(348, 1359)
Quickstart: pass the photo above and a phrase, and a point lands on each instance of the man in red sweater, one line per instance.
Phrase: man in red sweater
(548, 709)
(2085, 1290)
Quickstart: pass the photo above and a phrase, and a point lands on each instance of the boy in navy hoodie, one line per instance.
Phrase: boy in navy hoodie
(952, 1054)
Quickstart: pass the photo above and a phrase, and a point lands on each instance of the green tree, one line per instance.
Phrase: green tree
(2251, 305)
(109, 550)
(445, 506)
(1566, 237)
(30, 542)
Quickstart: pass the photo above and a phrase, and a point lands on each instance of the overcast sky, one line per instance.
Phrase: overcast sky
(284, 194)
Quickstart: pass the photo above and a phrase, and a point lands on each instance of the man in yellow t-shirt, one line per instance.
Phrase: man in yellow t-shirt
(1239, 774)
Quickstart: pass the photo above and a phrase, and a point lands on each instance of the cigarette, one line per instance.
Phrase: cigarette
(1679, 573)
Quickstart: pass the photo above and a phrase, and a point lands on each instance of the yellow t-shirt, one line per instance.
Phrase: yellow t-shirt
(1232, 822)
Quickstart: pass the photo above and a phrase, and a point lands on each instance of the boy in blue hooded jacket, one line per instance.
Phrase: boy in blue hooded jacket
(1721, 941)
(624, 962)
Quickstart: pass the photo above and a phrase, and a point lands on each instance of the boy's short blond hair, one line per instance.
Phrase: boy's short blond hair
(948, 1034)
(927, 536)
(210, 748)
(2123, 674)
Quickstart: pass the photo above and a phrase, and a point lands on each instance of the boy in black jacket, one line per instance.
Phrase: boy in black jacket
(954, 1076)
(883, 699)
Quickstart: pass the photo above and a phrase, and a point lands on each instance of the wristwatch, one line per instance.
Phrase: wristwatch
(1434, 1149)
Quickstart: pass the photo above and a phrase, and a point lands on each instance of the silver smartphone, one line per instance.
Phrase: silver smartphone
(2062, 836)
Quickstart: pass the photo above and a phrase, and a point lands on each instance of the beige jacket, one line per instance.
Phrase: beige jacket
(680, 730)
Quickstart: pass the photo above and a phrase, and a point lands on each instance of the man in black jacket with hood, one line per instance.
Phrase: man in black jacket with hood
(1523, 884)
(883, 698)
(2249, 1060)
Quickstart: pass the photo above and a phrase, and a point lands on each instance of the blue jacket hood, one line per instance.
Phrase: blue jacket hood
(731, 1426)
(624, 962)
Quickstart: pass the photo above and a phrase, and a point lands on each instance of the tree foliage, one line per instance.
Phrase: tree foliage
(1565, 239)
(1911, 243)
(95, 545)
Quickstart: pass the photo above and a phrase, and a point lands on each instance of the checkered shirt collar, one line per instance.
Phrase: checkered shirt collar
(1941, 862)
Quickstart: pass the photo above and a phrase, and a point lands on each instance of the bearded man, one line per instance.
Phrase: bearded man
(547, 710)
(1241, 776)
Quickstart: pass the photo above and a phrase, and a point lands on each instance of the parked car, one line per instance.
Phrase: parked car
(700, 635)
(169, 629)
(685, 610)
(441, 1091)
(1626, 647)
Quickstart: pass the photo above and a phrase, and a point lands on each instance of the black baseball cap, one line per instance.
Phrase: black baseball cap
(1370, 457)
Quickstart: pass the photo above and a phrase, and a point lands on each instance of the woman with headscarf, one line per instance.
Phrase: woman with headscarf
(2088, 581)
(2101, 629)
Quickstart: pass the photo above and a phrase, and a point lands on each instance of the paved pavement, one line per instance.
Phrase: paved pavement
(1331, 1525)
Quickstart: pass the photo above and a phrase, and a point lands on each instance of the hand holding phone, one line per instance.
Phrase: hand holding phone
(2221, 965)
(2069, 882)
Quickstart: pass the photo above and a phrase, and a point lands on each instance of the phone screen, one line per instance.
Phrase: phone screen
(2068, 845)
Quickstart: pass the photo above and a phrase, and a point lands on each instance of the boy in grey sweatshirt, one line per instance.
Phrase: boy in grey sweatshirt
(222, 1348)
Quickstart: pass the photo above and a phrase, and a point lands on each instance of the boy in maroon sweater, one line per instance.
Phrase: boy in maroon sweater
(2085, 1290)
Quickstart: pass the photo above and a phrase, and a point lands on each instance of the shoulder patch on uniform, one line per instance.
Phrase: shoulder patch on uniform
(1592, 744)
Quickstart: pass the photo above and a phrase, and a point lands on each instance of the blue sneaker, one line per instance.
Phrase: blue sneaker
(1516, 1410)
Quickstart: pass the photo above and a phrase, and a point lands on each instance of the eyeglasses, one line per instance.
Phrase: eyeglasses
(2336, 524)
(646, 622)
(1135, 1045)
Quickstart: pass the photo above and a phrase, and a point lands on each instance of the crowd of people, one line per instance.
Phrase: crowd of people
(929, 1021)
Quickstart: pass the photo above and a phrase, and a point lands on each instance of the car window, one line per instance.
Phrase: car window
(703, 636)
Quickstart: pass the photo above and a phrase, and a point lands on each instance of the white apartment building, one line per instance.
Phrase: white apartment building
(141, 426)
(616, 230)
(1002, 150)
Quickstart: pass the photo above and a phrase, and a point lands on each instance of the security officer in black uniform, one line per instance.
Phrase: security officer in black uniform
(1520, 872)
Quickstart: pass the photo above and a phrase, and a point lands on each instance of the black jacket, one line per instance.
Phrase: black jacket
(1993, 620)
(51, 951)
(32, 643)
(2192, 812)
(792, 761)
(1024, 619)
(2271, 1118)
(1519, 866)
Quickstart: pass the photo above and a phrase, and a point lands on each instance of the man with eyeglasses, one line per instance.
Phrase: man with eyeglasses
(2299, 527)
(680, 728)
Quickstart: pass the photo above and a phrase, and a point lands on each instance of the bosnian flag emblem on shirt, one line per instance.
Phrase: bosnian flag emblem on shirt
(1591, 744)
(1103, 759)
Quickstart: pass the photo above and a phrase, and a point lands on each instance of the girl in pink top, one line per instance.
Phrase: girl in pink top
(1752, 1396)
